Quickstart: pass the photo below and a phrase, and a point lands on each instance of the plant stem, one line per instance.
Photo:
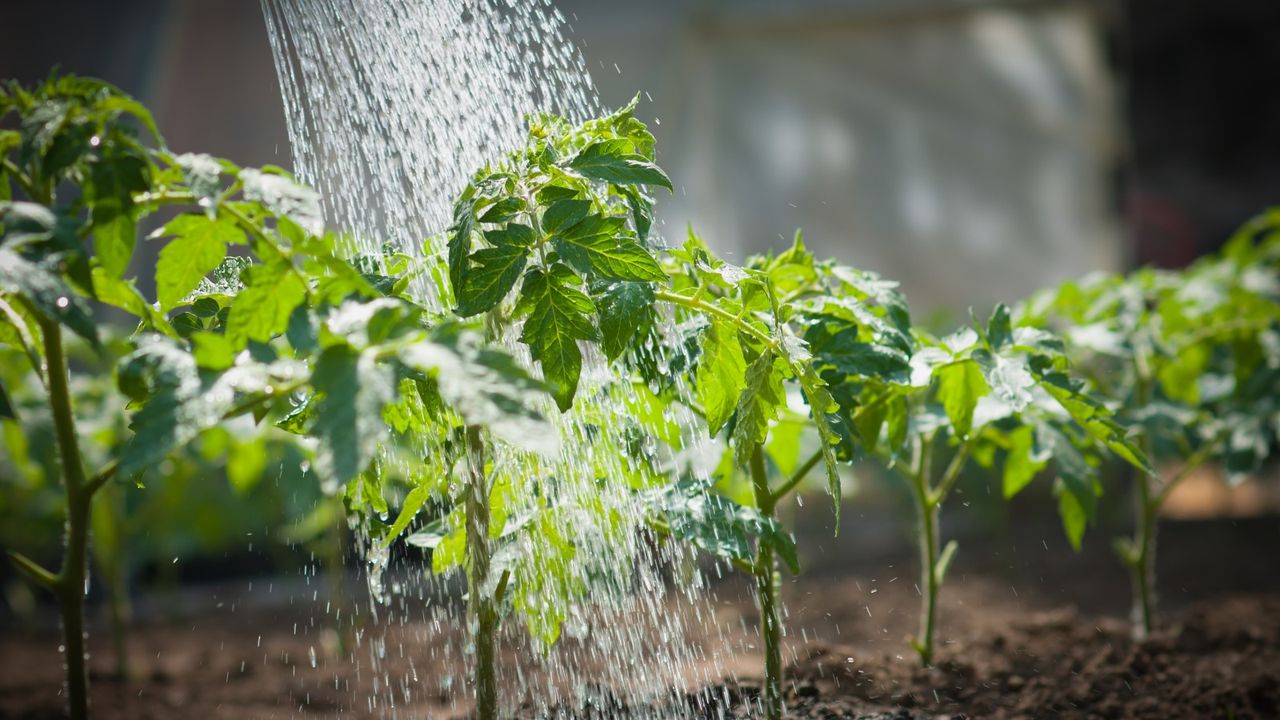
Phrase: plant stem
(110, 551)
(768, 582)
(480, 607)
(1142, 570)
(70, 587)
(796, 477)
(695, 303)
(1142, 562)
(334, 555)
(927, 506)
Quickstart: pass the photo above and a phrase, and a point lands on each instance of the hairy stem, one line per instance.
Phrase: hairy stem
(768, 585)
(70, 585)
(480, 607)
(927, 507)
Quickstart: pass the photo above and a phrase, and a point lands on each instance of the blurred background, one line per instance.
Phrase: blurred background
(975, 150)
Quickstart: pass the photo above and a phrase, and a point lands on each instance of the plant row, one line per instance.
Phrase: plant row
(440, 420)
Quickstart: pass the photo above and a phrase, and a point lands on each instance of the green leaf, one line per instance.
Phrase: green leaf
(460, 236)
(348, 420)
(823, 409)
(1179, 376)
(999, 327)
(612, 161)
(116, 175)
(758, 405)
(485, 386)
(1024, 460)
(641, 212)
(47, 293)
(564, 214)
(1092, 416)
(626, 312)
(246, 464)
(613, 257)
(261, 310)
(721, 373)
(558, 317)
(178, 404)
(413, 502)
(198, 246)
(202, 174)
(6, 405)
(960, 384)
(719, 526)
(212, 350)
(486, 283)
(124, 294)
(1075, 519)
(503, 210)
(282, 196)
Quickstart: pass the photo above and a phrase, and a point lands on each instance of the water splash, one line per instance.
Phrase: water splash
(391, 105)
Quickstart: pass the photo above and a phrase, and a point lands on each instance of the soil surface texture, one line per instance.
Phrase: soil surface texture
(1011, 644)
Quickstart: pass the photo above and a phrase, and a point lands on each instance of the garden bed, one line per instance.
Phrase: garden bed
(1012, 644)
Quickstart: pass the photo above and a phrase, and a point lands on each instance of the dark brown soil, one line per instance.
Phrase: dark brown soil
(1216, 660)
(1010, 646)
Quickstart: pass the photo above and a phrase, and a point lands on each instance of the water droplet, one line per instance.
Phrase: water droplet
(62, 302)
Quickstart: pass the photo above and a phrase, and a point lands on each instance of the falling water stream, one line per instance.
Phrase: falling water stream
(391, 105)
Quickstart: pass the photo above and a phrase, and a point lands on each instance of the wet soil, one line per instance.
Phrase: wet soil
(1014, 642)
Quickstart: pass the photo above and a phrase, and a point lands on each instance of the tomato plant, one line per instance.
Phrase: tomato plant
(991, 393)
(175, 503)
(554, 237)
(1190, 358)
(268, 334)
(286, 330)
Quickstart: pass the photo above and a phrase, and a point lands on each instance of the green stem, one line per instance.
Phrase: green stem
(23, 181)
(796, 477)
(120, 611)
(1142, 571)
(334, 553)
(695, 302)
(70, 586)
(952, 473)
(768, 581)
(1142, 562)
(33, 571)
(480, 607)
(927, 507)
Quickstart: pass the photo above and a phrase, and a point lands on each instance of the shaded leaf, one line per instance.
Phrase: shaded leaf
(47, 293)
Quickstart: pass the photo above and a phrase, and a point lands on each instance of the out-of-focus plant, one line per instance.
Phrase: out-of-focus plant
(177, 510)
(990, 393)
(1191, 359)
